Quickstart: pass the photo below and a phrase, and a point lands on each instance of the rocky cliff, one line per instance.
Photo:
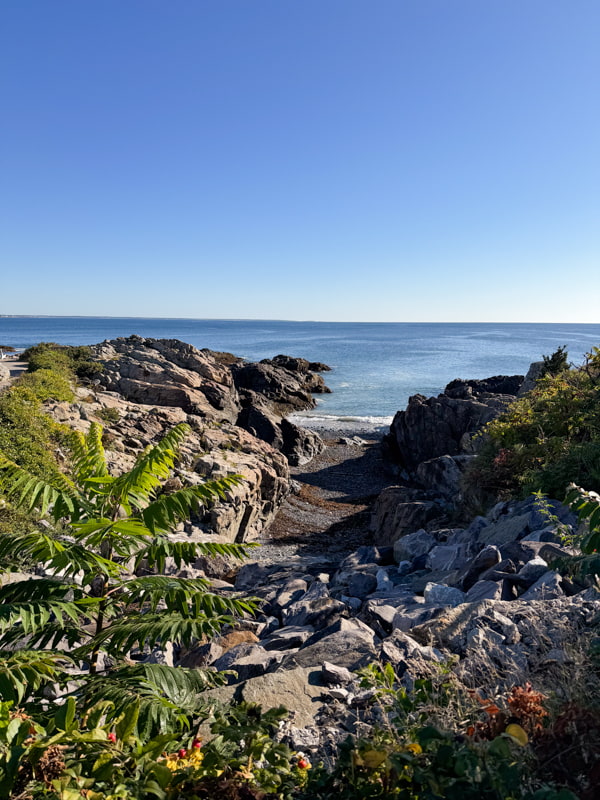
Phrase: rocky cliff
(235, 409)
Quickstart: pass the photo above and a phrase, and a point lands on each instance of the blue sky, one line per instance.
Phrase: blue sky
(393, 160)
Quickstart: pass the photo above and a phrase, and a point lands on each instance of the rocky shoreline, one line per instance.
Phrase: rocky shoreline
(368, 550)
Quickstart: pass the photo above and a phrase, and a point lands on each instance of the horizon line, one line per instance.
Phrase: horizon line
(304, 321)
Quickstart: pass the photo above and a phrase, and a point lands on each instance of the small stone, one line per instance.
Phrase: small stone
(333, 674)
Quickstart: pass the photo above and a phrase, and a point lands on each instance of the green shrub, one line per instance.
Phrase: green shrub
(546, 439)
(69, 361)
(48, 384)
(109, 415)
(27, 435)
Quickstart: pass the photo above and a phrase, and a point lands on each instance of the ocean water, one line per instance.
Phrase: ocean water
(375, 366)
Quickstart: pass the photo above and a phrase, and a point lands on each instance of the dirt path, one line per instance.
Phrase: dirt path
(330, 513)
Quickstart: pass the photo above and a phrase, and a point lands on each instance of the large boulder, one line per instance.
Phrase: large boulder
(443, 425)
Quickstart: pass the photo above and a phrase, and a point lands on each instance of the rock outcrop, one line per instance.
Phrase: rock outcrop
(218, 387)
(431, 427)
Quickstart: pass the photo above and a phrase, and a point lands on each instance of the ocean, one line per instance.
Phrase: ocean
(375, 366)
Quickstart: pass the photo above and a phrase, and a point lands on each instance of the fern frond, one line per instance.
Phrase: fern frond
(164, 513)
(188, 596)
(28, 491)
(123, 536)
(88, 456)
(185, 553)
(156, 628)
(57, 553)
(23, 672)
(168, 697)
(134, 489)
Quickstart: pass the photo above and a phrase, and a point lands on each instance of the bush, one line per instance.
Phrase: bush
(546, 439)
(48, 384)
(69, 361)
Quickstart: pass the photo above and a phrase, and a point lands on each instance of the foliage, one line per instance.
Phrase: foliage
(555, 363)
(47, 384)
(546, 439)
(585, 564)
(27, 435)
(108, 414)
(65, 360)
(412, 759)
(75, 755)
(88, 607)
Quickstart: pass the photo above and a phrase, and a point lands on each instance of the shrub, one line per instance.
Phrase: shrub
(546, 439)
(108, 414)
(48, 384)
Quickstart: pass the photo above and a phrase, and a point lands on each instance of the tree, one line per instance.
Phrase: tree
(88, 613)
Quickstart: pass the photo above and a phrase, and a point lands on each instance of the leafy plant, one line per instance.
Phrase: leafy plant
(89, 608)
(546, 439)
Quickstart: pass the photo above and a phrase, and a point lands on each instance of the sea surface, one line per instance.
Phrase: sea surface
(375, 366)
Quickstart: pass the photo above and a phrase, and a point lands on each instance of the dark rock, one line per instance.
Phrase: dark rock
(438, 426)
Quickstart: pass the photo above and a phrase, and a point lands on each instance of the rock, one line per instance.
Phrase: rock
(347, 643)
(442, 475)
(547, 587)
(300, 445)
(248, 661)
(290, 637)
(410, 617)
(291, 592)
(436, 426)
(533, 570)
(298, 690)
(440, 595)
(484, 590)
(361, 584)
(314, 608)
(404, 653)
(393, 517)
(506, 530)
(413, 545)
(447, 557)
(333, 674)
(487, 558)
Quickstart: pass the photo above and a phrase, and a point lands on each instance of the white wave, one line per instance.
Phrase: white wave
(340, 422)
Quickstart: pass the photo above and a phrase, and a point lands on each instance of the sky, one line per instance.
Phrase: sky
(357, 160)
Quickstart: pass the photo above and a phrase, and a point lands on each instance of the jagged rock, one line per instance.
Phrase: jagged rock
(436, 426)
(411, 616)
(413, 545)
(291, 592)
(442, 475)
(288, 637)
(315, 608)
(298, 690)
(404, 653)
(447, 557)
(347, 643)
(484, 590)
(487, 558)
(533, 570)
(548, 587)
(361, 584)
(440, 595)
(399, 511)
(248, 660)
(300, 445)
